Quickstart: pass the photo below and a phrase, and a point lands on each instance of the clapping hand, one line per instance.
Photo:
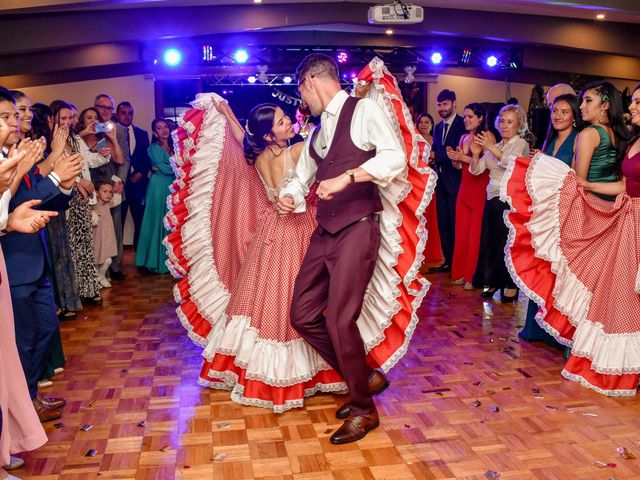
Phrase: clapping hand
(25, 219)
(5, 130)
(9, 169)
(484, 139)
(59, 139)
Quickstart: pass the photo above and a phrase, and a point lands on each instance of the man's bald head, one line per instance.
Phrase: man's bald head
(557, 90)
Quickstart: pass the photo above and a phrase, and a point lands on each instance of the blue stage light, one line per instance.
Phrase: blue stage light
(172, 57)
(252, 79)
(492, 61)
(436, 58)
(287, 79)
(241, 55)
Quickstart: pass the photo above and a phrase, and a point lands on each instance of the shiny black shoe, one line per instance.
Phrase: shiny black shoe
(490, 292)
(445, 267)
(118, 276)
(509, 299)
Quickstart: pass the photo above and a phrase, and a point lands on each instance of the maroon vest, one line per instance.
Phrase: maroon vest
(357, 200)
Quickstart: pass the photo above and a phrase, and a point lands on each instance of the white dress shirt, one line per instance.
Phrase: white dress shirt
(370, 129)
(4, 210)
(515, 146)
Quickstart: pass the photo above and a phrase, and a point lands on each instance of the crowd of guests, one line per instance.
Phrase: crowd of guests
(79, 173)
(470, 158)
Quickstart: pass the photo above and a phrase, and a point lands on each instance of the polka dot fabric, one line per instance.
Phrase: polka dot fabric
(577, 256)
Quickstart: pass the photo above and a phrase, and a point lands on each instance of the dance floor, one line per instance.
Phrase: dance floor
(469, 401)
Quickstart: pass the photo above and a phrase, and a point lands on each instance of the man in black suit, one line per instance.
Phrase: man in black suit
(138, 179)
(447, 133)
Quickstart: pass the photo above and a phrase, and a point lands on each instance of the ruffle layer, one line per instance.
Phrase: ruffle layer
(606, 362)
(279, 374)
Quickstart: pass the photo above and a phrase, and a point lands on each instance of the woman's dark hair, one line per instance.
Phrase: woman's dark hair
(259, 124)
(154, 137)
(82, 125)
(479, 110)
(55, 107)
(17, 94)
(426, 114)
(635, 130)
(40, 123)
(578, 123)
(610, 94)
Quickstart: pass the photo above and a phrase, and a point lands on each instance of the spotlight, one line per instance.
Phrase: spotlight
(342, 57)
(172, 57)
(492, 61)
(436, 58)
(466, 56)
(287, 79)
(409, 70)
(251, 79)
(241, 56)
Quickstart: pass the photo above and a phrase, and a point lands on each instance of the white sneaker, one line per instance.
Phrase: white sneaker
(58, 371)
(105, 283)
(44, 383)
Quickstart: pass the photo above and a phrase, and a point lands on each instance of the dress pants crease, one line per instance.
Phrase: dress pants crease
(334, 276)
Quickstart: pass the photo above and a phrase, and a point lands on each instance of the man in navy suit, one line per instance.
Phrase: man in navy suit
(138, 180)
(34, 309)
(447, 133)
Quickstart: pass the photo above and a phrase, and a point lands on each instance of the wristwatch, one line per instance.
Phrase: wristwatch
(352, 175)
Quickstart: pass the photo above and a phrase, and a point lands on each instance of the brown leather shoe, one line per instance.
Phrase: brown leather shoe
(46, 414)
(378, 383)
(355, 428)
(52, 402)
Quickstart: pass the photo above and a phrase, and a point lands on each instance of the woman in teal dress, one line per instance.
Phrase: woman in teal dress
(151, 253)
(560, 143)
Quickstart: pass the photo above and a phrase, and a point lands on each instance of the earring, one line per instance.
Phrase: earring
(574, 124)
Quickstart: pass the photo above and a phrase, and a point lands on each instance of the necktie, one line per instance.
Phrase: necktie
(132, 140)
(445, 130)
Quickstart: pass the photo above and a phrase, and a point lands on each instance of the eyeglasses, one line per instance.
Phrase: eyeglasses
(104, 107)
(308, 76)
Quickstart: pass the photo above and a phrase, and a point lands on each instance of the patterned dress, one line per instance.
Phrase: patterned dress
(577, 256)
(237, 260)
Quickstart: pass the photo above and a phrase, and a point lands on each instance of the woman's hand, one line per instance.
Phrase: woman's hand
(89, 129)
(485, 140)
(25, 219)
(105, 151)
(9, 169)
(362, 88)
(59, 139)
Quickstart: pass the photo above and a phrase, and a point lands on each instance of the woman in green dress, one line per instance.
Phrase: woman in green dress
(151, 253)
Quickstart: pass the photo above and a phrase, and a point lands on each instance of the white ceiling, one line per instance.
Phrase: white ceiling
(627, 11)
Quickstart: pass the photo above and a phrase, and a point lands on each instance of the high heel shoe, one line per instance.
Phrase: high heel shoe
(509, 299)
(489, 293)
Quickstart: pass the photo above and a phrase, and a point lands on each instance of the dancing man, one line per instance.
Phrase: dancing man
(352, 152)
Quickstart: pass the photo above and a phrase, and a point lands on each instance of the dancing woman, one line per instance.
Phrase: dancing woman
(236, 284)
(574, 245)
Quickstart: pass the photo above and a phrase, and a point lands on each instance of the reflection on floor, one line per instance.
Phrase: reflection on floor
(468, 399)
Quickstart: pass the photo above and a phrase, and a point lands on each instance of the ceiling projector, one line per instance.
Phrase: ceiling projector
(395, 13)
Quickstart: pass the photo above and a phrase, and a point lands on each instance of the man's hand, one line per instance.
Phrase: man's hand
(327, 188)
(68, 168)
(25, 219)
(285, 205)
(136, 177)
(9, 169)
(118, 187)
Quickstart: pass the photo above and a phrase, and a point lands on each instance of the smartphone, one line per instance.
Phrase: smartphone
(105, 127)
(101, 143)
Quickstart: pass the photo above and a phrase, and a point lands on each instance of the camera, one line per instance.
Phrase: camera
(105, 127)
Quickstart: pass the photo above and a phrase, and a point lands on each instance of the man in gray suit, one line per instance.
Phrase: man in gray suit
(105, 106)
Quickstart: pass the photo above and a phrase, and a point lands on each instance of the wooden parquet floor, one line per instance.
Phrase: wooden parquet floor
(466, 400)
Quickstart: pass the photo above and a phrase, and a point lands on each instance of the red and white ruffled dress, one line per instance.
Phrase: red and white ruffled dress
(237, 261)
(577, 256)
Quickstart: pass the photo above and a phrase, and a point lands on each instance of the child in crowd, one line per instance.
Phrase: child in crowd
(104, 235)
